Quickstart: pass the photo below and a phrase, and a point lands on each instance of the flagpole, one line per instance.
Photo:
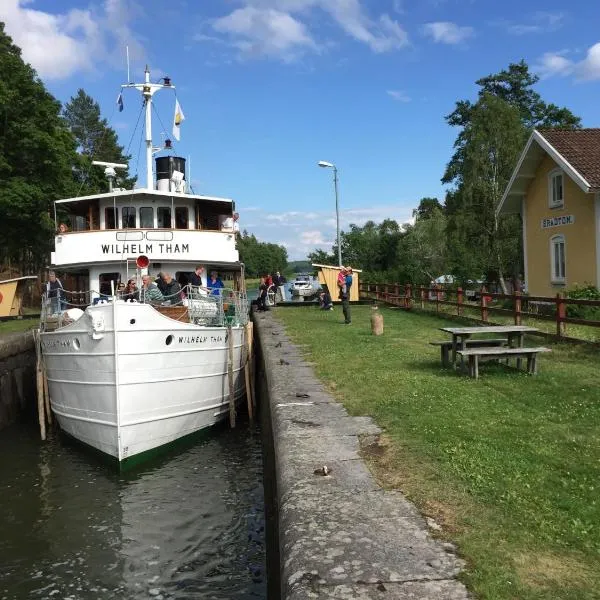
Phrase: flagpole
(128, 77)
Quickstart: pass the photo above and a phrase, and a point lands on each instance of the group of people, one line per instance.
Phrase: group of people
(165, 288)
(267, 281)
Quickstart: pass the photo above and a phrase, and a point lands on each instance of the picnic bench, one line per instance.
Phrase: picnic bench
(474, 355)
(446, 346)
(515, 335)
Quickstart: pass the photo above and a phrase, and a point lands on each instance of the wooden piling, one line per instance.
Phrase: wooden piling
(39, 384)
(249, 332)
(230, 378)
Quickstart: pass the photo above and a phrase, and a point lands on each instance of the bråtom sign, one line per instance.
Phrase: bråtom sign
(557, 221)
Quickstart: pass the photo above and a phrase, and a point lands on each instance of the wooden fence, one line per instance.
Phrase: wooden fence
(553, 308)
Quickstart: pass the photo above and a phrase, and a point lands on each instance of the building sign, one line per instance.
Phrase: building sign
(557, 221)
(134, 249)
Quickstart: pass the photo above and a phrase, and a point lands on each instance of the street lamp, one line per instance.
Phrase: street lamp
(328, 165)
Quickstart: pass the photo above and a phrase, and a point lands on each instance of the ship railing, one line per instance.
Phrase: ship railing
(216, 307)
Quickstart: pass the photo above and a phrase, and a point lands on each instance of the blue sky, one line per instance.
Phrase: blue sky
(270, 87)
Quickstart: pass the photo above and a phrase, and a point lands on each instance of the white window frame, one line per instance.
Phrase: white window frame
(556, 240)
(552, 176)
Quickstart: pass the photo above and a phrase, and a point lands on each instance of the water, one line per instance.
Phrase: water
(187, 525)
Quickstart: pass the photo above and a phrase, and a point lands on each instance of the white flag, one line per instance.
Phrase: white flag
(178, 119)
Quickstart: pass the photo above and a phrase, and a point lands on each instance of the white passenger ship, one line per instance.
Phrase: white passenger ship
(127, 377)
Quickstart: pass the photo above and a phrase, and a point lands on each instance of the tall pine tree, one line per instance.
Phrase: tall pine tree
(96, 140)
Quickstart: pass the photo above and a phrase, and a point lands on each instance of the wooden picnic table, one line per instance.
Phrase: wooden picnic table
(515, 335)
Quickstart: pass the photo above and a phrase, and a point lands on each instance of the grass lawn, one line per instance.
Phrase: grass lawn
(18, 325)
(508, 465)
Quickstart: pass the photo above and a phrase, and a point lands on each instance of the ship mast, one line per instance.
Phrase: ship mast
(148, 89)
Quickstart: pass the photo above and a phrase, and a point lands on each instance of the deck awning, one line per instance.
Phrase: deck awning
(141, 193)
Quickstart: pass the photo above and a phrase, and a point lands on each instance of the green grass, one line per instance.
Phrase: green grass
(18, 325)
(508, 465)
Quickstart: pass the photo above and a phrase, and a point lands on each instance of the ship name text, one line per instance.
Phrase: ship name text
(162, 248)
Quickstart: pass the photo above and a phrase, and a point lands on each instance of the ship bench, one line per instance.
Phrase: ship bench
(474, 355)
(446, 346)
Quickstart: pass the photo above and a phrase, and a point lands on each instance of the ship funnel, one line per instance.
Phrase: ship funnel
(170, 174)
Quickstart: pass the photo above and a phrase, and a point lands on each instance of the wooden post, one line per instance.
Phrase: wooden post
(46, 394)
(484, 310)
(422, 297)
(459, 301)
(561, 314)
(517, 304)
(230, 378)
(407, 295)
(249, 332)
(438, 296)
(397, 292)
(39, 384)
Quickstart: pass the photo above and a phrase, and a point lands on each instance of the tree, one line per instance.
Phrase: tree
(427, 208)
(95, 141)
(260, 258)
(492, 133)
(37, 153)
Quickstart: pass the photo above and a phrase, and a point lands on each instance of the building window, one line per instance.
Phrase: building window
(128, 216)
(163, 217)
(557, 259)
(556, 197)
(110, 218)
(146, 217)
(181, 217)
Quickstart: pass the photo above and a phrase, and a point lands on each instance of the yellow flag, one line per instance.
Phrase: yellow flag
(178, 119)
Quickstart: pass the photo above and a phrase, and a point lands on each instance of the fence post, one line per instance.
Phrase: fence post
(376, 291)
(407, 295)
(459, 300)
(397, 292)
(422, 297)
(438, 296)
(484, 310)
(561, 314)
(517, 305)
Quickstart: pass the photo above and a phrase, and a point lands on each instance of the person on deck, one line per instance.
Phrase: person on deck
(150, 292)
(196, 277)
(172, 291)
(55, 293)
(214, 284)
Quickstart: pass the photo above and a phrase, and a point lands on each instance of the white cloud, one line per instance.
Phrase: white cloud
(553, 63)
(541, 22)
(398, 95)
(265, 32)
(445, 32)
(589, 67)
(59, 45)
(281, 28)
(556, 64)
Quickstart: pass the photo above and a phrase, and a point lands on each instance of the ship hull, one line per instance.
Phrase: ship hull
(125, 379)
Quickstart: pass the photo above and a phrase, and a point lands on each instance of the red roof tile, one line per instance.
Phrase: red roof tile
(580, 148)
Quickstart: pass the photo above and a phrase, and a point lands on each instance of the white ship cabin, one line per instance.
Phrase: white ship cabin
(100, 237)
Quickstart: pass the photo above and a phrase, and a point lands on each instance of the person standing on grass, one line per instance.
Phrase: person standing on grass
(344, 294)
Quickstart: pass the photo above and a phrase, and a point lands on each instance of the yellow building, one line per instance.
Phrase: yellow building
(556, 189)
(328, 277)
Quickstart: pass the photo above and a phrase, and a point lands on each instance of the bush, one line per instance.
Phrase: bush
(587, 292)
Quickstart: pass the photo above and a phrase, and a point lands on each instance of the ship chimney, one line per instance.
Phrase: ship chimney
(170, 174)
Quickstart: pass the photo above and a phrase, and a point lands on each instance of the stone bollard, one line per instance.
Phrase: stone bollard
(376, 321)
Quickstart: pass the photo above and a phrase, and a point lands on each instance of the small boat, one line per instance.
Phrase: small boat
(305, 287)
(11, 295)
(128, 375)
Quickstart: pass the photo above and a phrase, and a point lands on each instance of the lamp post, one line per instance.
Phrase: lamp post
(328, 165)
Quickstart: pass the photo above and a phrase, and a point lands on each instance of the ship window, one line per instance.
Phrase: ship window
(163, 217)
(110, 217)
(146, 217)
(128, 217)
(105, 279)
(181, 217)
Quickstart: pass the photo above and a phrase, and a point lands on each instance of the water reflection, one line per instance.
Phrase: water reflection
(188, 525)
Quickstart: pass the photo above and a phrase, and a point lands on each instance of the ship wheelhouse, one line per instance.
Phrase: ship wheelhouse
(106, 233)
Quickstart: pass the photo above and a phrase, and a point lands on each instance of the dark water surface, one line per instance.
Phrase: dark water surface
(187, 525)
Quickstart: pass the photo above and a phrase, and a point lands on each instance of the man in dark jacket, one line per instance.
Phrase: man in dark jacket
(196, 276)
(172, 291)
